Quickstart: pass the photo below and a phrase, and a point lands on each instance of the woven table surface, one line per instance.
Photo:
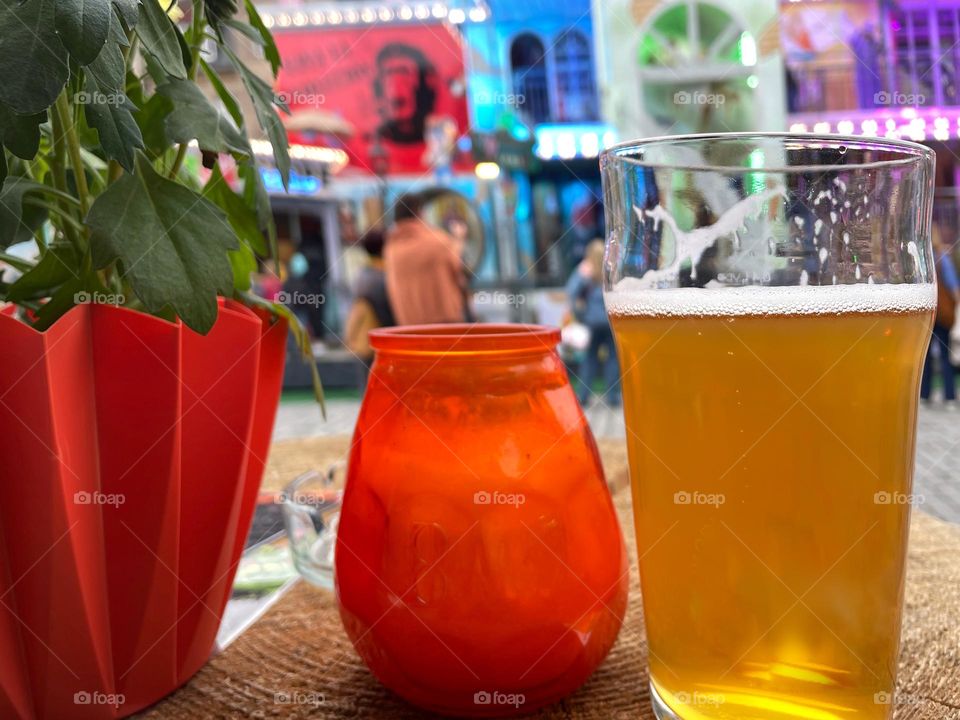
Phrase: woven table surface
(298, 650)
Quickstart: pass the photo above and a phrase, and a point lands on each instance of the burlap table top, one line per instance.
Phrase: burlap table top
(300, 647)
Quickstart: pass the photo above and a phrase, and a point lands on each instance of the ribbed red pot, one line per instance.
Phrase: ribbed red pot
(131, 454)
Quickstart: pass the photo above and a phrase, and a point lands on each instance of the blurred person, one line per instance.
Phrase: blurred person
(371, 307)
(948, 295)
(585, 293)
(426, 282)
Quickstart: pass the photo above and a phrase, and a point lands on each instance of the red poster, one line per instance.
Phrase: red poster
(400, 87)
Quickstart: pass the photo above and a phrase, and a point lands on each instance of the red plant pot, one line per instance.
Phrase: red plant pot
(131, 454)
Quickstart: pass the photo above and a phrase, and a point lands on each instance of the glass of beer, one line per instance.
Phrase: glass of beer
(772, 297)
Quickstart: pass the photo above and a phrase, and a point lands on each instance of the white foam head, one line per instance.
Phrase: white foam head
(633, 297)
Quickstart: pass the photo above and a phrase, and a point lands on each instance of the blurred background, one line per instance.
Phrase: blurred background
(497, 111)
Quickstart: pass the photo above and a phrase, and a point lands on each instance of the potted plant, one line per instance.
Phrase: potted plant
(139, 375)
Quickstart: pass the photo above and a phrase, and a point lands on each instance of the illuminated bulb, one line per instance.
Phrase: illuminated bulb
(477, 14)
(609, 139)
(748, 49)
(869, 127)
(283, 20)
(845, 127)
(299, 19)
(752, 82)
(798, 128)
(351, 16)
(909, 112)
(941, 122)
(487, 170)
(422, 12)
(589, 145)
(334, 18)
(891, 124)
(821, 127)
(317, 18)
(385, 14)
(941, 134)
(457, 16)
(368, 15)
(405, 13)
(567, 145)
(268, 22)
(439, 11)
(545, 148)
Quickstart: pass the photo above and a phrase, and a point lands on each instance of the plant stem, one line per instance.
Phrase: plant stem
(196, 38)
(62, 108)
(16, 262)
(54, 208)
(57, 160)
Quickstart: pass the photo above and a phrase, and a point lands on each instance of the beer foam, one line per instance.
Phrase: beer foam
(632, 297)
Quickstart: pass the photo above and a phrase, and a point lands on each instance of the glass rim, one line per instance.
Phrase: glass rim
(468, 338)
(912, 152)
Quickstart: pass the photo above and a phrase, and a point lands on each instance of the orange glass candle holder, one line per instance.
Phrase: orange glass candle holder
(480, 566)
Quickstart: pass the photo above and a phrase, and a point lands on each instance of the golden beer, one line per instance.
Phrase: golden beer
(771, 441)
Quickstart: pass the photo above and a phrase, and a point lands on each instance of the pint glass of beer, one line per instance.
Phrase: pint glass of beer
(772, 298)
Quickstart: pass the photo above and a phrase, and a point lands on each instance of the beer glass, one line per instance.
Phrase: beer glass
(772, 297)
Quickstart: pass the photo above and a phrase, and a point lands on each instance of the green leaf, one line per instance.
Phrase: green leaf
(255, 196)
(264, 104)
(83, 26)
(243, 219)
(270, 51)
(171, 244)
(111, 116)
(21, 133)
(194, 118)
(219, 12)
(33, 62)
(226, 97)
(150, 118)
(3, 165)
(300, 335)
(57, 265)
(244, 264)
(160, 38)
(17, 223)
(108, 68)
(129, 11)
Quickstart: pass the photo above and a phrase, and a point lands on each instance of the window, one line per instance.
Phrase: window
(529, 66)
(925, 52)
(576, 89)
